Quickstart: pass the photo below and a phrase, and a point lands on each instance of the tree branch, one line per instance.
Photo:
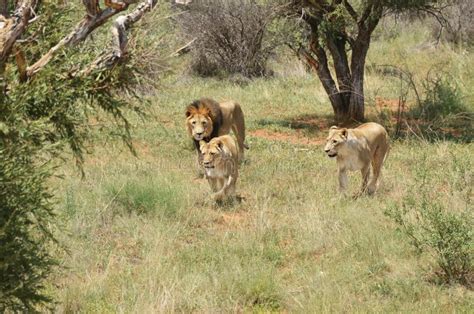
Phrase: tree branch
(324, 73)
(92, 7)
(351, 10)
(12, 28)
(341, 65)
(119, 32)
(4, 8)
(81, 31)
(21, 64)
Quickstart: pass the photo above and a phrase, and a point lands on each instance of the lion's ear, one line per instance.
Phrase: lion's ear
(344, 132)
(187, 112)
(190, 109)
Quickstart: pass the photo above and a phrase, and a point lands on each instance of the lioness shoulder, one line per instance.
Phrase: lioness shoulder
(360, 148)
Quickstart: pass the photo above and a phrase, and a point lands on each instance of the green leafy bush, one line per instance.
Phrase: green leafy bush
(443, 229)
(25, 216)
(40, 119)
(442, 98)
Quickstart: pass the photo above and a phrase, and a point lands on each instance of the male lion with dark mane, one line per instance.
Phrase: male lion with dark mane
(358, 149)
(207, 119)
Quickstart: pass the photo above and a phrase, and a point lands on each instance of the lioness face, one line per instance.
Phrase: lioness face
(337, 138)
(210, 152)
(198, 122)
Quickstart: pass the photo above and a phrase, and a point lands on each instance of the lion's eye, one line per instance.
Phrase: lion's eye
(194, 122)
(204, 122)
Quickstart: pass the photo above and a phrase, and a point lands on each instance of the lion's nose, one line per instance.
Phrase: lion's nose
(199, 133)
(327, 150)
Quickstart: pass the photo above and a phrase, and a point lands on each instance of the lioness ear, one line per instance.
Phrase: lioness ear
(220, 145)
(333, 127)
(344, 132)
(202, 143)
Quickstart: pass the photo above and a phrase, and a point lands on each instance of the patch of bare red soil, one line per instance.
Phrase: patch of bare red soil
(311, 122)
(234, 220)
(393, 105)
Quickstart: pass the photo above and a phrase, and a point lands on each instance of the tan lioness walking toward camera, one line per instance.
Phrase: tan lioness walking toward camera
(220, 162)
(358, 149)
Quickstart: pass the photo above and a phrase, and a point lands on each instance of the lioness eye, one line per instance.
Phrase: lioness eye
(334, 141)
(194, 122)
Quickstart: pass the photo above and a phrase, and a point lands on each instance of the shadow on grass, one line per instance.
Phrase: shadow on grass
(400, 124)
(312, 123)
(404, 123)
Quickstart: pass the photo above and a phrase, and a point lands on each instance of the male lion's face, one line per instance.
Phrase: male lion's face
(198, 122)
(211, 152)
(336, 139)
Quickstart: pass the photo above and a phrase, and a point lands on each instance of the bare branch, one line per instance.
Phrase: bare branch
(21, 63)
(351, 10)
(184, 49)
(92, 7)
(80, 32)
(119, 32)
(4, 8)
(12, 28)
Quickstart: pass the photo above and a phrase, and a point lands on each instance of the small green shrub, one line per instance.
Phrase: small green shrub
(260, 291)
(25, 227)
(147, 197)
(442, 98)
(441, 111)
(441, 229)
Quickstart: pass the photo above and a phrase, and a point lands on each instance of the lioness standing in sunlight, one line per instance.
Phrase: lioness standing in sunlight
(220, 162)
(358, 149)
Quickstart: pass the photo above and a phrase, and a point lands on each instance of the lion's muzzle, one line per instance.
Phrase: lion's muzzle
(199, 136)
(208, 165)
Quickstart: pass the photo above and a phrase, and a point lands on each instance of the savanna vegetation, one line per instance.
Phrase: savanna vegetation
(138, 232)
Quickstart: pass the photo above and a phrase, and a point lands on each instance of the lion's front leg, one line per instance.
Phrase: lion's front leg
(214, 184)
(343, 180)
(227, 189)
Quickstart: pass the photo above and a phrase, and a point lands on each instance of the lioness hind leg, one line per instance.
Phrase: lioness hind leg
(377, 163)
(365, 177)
